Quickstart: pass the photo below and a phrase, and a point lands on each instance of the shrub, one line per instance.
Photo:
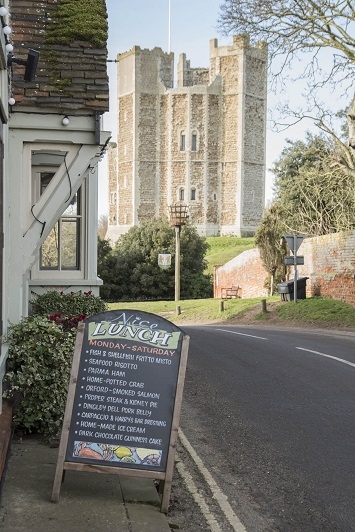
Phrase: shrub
(130, 270)
(72, 304)
(38, 370)
(67, 322)
(40, 354)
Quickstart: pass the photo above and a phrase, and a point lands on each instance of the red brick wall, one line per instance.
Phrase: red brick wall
(329, 265)
(245, 271)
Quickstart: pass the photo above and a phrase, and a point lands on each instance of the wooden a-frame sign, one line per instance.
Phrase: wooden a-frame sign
(124, 399)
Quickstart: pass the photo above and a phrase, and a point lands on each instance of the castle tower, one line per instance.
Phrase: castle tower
(202, 143)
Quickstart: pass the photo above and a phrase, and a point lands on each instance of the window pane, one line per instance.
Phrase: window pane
(61, 249)
(182, 142)
(181, 194)
(46, 178)
(49, 251)
(74, 206)
(70, 244)
(193, 193)
(194, 142)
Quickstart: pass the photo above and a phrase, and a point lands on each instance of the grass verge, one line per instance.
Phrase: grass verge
(192, 310)
(315, 311)
(318, 310)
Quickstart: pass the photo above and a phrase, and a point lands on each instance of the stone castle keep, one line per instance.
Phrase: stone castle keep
(201, 143)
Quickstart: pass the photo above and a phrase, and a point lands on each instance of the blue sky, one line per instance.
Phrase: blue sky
(145, 23)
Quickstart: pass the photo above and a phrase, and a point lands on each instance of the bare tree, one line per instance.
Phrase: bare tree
(301, 36)
(289, 27)
(102, 226)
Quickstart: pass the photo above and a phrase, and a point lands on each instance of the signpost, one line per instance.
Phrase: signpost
(294, 242)
(164, 261)
(124, 398)
(291, 260)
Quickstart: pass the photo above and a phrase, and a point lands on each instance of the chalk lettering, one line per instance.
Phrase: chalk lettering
(150, 395)
(93, 397)
(133, 384)
(140, 430)
(99, 371)
(153, 441)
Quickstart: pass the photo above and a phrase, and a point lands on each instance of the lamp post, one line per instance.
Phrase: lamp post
(179, 213)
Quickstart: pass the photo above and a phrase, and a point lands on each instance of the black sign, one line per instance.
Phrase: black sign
(125, 392)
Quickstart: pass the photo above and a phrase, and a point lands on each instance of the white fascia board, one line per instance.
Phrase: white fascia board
(32, 119)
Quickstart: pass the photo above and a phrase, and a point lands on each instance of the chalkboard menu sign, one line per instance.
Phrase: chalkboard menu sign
(122, 402)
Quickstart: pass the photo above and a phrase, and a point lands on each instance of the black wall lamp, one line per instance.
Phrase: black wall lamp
(30, 63)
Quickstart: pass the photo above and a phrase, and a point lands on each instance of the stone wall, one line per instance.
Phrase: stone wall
(217, 172)
(329, 266)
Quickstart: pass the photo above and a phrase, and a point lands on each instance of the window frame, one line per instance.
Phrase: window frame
(60, 272)
(182, 143)
(194, 141)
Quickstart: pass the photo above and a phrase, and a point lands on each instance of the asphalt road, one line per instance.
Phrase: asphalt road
(270, 413)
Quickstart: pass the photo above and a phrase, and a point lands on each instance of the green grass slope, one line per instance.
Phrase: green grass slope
(224, 248)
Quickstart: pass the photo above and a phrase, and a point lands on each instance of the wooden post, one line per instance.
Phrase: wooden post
(177, 263)
(221, 306)
(263, 305)
(166, 486)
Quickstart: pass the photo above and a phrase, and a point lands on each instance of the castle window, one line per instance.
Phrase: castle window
(194, 142)
(181, 194)
(182, 141)
(193, 194)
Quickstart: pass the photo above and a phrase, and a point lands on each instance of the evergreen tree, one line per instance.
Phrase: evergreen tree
(130, 269)
(272, 246)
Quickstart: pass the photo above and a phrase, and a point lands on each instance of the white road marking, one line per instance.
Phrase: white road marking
(218, 495)
(242, 334)
(198, 498)
(327, 356)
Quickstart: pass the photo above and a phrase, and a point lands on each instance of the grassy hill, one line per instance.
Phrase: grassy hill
(224, 248)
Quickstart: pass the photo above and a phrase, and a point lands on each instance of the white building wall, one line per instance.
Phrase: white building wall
(30, 131)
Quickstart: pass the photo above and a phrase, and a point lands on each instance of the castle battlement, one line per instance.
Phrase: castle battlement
(202, 143)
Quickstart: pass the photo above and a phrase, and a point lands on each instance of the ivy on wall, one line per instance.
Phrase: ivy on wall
(79, 20)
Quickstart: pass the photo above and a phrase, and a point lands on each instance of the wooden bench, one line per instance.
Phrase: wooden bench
(230, 293)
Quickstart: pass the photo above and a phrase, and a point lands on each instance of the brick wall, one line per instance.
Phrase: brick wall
(244, 271)
(329, 265)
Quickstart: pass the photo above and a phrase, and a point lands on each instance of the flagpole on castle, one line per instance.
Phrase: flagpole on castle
(169, 27)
